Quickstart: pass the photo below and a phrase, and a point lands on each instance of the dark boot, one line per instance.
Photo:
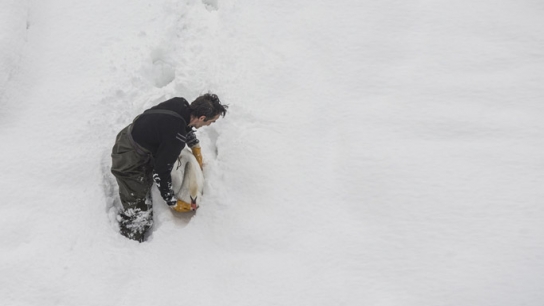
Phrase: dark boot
(134, 223)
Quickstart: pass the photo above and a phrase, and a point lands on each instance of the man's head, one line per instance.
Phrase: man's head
(205, 110)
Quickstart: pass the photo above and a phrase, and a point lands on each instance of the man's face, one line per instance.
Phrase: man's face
(201, 121)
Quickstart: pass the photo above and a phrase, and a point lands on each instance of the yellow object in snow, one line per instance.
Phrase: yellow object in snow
(197, 154)
(182, 206)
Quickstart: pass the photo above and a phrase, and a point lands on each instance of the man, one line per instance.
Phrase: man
(146, 150)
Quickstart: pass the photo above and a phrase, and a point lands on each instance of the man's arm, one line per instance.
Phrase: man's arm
(167, 154)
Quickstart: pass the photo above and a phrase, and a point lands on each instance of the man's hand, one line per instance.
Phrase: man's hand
(197, 154)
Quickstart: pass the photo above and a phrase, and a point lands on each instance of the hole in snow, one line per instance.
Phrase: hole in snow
(163, 73)
(211, 5)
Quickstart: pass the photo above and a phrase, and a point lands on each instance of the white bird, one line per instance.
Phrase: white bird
(187, 178)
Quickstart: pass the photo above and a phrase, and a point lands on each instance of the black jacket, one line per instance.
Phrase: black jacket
(165, 136)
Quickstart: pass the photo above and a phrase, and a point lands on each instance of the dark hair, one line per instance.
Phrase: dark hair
(208, 105)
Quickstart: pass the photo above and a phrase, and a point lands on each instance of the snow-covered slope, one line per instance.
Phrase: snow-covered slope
(374, 153)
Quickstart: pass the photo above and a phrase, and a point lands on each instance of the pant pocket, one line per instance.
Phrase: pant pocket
(127, 163)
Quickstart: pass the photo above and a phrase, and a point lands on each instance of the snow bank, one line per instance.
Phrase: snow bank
(14, 22)
(374, 153)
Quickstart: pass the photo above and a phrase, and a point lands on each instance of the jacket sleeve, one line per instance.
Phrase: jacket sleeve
(172, 142)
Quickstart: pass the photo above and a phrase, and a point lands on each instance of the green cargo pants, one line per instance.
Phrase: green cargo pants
(132, 166)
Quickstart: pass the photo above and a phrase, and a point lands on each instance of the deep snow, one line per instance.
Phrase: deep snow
(374, 153)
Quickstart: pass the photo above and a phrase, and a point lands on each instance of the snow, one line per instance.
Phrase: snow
(374, 153)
